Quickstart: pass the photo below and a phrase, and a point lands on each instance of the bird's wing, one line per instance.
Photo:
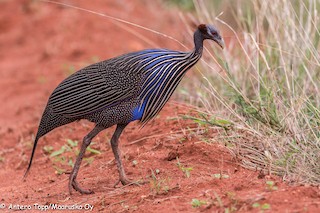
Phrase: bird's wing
(91, 89)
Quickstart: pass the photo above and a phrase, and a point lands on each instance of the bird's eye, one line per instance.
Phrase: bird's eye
(211, 32)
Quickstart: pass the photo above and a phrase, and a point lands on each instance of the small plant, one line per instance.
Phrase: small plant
(59, 170)
(185, 170)
(64, 155)
(220, 176)
(204, 120)
(159, 186)
(48, 149)
(230, 209)
(218, 198)
(198, 203)
(271, 185)
(262, 207)
(93, 151)
(232, 206)
(181, 140)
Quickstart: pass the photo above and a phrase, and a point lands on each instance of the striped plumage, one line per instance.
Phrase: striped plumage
(134, 86)
(149, 76)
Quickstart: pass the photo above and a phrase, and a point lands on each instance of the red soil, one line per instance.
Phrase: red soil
(39, 43)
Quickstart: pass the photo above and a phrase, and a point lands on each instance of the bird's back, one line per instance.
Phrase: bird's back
(149, 76)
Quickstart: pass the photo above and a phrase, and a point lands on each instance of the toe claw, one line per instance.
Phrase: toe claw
(74, 184)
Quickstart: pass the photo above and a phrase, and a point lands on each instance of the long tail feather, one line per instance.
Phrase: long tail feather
(32, 154)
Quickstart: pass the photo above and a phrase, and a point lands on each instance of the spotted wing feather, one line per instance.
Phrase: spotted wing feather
(93, 88)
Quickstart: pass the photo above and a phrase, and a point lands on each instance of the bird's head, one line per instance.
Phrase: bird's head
(210, 32)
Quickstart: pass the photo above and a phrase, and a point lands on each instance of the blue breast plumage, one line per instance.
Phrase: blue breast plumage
(162, 70)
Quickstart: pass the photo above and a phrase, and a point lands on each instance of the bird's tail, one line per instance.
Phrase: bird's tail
(49, 121)
(42, 130)
(32, 154)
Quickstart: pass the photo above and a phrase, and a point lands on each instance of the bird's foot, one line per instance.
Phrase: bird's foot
(74, 184)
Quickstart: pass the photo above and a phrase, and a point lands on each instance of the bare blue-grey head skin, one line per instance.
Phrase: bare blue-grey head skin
(117, 91)
(214, 35)
(207, 32)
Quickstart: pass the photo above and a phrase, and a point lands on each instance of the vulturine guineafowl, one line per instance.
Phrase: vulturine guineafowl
(134, 86)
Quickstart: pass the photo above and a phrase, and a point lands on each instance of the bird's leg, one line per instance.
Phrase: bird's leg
(86, 142)
(116, 151)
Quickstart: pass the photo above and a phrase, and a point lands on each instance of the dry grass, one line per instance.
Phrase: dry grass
(266, 83)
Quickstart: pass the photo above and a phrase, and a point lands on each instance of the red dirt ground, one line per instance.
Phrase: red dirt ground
(39, 43)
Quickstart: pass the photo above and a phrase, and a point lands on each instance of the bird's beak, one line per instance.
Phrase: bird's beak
(220, 42)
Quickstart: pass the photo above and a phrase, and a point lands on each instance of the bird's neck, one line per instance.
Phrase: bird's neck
(198, 42)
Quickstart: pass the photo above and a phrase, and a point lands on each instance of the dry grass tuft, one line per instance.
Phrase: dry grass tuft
(267, 84)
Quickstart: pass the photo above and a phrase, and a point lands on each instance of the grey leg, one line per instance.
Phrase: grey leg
(116, 151)
(86, 142)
